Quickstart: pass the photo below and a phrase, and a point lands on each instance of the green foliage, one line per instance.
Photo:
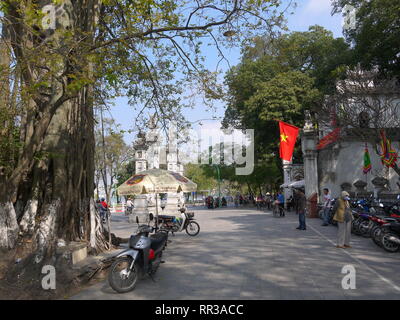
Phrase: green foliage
(111, 156)
(201, 175)
(10, 144)
(125, 172)
(376, 37)
(278, 80)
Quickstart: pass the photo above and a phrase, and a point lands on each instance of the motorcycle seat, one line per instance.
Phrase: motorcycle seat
(157, 241)
(164, 217)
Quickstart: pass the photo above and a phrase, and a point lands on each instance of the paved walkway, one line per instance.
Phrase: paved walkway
(248, 254)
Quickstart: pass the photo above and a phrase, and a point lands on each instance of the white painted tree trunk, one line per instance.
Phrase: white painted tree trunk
(92, 224)
(8, 226)
(27, 223)
(46, 230)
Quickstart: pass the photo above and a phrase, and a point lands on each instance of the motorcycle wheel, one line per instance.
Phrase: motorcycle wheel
(355, 226)
(118, 278)
(389, 245)
(375, 235)
(364, 228)
(193, 228)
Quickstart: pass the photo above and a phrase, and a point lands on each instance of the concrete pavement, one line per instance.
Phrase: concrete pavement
(248, 254)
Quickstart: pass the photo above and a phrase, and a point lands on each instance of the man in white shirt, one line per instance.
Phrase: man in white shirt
(327, 206)
(129, 206)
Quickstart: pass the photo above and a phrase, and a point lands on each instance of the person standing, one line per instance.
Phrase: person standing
(301, 208)
(259, 201)
(237, 200)
(327, 207)
(295, 202)
(281, 202)
(103, 209)
(129, 206)
(268, 200)
(344, 217)
(290, 203)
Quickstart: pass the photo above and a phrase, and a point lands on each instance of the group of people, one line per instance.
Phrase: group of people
(260, 201)
(341, 214)
(341, 209)
(241, 200)
(215, 202)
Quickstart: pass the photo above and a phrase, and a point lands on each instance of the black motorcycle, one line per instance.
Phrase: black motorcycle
(142, 257)
(390, 236)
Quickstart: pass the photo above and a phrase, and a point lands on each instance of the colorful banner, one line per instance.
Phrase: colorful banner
(367, 161)
(389, 155)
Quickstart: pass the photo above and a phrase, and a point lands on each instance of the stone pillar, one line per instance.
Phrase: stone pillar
(287, 167)
(380, 184)
(171, 205)
(309, 139)
(140, 210)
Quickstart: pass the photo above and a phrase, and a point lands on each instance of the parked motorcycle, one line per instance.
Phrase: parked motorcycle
(376, 230)
(364, 224)
(390, 236)
(176, 224)
(142, 257)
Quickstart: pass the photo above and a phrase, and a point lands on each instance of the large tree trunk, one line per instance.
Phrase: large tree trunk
(53, 183)
(8, 226)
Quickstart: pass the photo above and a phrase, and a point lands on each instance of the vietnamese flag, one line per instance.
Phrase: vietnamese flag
(288, 139)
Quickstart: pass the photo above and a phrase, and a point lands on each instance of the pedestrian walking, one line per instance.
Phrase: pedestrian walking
(327, 207)
(344, 217)
(301, 208)
(281, 202)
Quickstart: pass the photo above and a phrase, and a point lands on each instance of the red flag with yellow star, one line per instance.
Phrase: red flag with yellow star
(288, 139)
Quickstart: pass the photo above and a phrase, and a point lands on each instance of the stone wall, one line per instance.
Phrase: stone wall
(340, 166)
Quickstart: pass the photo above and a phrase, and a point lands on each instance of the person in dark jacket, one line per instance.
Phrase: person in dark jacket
(301, 207)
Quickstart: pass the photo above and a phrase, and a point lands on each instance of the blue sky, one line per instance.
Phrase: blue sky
(307, 13)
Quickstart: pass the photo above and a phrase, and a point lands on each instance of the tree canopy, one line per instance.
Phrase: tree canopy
(376, 36)
(278, 79)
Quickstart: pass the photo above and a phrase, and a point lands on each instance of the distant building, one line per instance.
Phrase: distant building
(152, 151)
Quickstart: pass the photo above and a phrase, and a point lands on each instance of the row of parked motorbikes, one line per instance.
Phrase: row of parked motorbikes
(145, 249)
(377, 220)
